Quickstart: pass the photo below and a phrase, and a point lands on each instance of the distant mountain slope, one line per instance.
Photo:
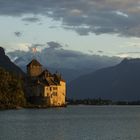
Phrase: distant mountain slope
(6, 63)
(121, 82)
(71, 64)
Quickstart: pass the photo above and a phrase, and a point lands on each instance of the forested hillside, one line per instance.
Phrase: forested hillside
(11, 90)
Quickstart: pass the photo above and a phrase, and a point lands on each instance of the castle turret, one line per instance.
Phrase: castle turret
(34, 68)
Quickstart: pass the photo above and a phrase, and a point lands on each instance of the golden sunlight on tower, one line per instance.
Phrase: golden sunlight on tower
(43, 87)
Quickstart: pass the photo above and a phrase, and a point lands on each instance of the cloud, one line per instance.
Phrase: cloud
(31, 19)
(91, 51)
(54, 55)
(123, 55)
(38, 46)
(23, 46)
(128, 54)
(75, 12)
(99, 16)
(121, 14)
(54, 45)
(18, 34)
(99, 51)
(133, 44)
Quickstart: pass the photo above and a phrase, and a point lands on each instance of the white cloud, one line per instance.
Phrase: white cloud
(75, 12)
(121, 14)
(54, 55)
(23, 46)
(134, 44)
(131, 54)
(125, 55)
(32, 19)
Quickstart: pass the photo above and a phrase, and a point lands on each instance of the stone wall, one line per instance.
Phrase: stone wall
(56, 94)
(34, 71)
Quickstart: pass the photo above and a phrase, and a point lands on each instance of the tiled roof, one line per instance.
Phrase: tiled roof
(46, 77)
(48, 82)
(34, 62)
(46, 73)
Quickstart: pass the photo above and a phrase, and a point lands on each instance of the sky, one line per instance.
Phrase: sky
(101, 27)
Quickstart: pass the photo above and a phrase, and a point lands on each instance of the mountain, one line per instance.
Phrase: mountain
(71, 64)
(6, 63)
(68, 74)
(120, 82)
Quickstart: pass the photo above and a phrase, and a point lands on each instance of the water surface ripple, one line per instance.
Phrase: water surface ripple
(71, 123)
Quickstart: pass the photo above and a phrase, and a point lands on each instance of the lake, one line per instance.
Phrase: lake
(71, 123)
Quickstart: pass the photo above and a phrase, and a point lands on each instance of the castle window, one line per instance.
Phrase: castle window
(50, 88)
(54, 93)
(54, 88)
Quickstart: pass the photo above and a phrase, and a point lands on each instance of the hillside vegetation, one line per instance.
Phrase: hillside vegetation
(11, 90)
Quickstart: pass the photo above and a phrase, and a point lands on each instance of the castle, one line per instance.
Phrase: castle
(43, 87)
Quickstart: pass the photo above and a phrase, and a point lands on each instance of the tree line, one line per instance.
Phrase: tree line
(99, 101)
(12, 94)
(11, 90)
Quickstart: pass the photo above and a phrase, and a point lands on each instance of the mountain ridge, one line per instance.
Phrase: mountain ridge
(120, 82)
(8, 65)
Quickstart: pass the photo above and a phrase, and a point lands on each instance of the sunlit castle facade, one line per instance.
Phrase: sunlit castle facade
(44, 87)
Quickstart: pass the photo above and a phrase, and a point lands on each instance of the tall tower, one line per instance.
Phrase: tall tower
(34, 68)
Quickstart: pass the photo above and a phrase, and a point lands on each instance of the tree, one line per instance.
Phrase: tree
(11, 90)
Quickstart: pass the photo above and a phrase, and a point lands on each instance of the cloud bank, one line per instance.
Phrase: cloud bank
(31, 19)
(83, 16)
(53, 54)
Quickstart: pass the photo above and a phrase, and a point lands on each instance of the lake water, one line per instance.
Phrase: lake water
(71, 123)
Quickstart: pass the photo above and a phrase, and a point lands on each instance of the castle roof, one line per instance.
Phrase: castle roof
(34, 62)
(58, 77)
(46, 77)
(46, 73)
(48, 82)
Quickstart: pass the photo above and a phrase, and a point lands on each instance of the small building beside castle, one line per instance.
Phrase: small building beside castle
(43, 87)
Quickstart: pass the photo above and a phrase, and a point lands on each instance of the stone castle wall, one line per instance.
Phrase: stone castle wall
(49, 92)
(34, 70)
(56, 94)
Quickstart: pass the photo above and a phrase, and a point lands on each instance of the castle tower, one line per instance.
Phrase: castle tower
(34, 68)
